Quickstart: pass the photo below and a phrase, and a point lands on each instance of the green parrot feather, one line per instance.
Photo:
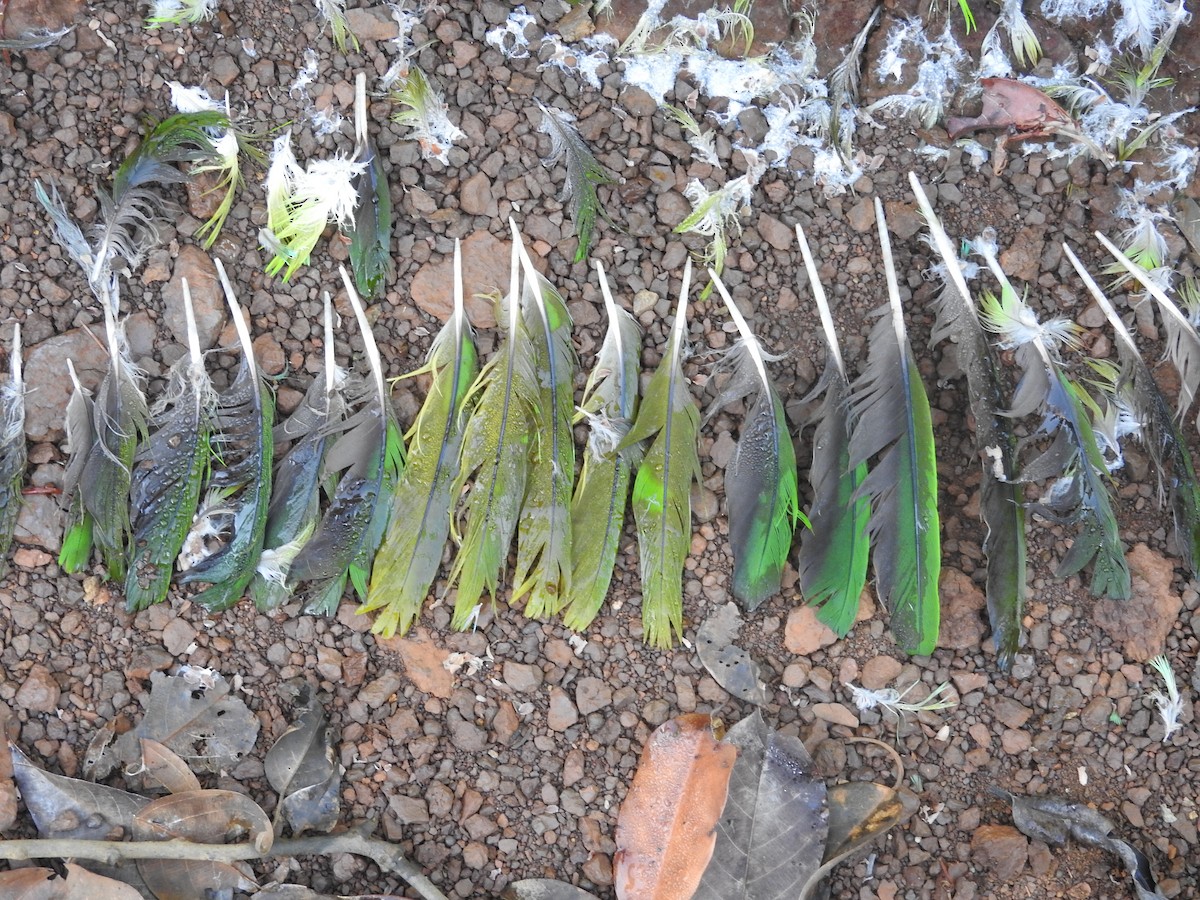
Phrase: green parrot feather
(610, 404)
(12, 449)
(408, 559)
(662, 509)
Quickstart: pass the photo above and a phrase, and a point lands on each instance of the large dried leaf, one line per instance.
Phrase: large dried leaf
(545, 889)
(1055, 819)
(193, 715)
(666, 828)
(64, 807)
(730, 665)
(205, 817)
(163, 767)
(859, 812)
(76, 884)
(302, 766)
(772, 833)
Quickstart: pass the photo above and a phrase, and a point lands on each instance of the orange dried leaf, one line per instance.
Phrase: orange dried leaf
(46, 884)
(666, 829)
(1020, 109)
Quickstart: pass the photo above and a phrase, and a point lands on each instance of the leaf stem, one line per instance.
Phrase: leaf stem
(384, 854)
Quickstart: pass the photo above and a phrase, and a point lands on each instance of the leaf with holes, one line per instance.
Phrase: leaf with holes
(730, 665)
(304, 769)
(773, 829)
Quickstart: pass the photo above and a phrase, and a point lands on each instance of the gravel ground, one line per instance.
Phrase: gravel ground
(517, 770)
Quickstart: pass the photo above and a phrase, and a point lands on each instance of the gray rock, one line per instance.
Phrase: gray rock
(39, 692)
(563, 713)
(592, 694)
(208, 300)
(476, 197)
(521, 677)
(47, 386)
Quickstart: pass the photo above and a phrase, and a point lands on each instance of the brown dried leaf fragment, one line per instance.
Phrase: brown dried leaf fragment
(666, 829)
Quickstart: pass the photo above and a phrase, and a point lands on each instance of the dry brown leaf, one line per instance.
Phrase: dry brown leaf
(163, 766)
(205, 817)
(78, 884)
(666, 829)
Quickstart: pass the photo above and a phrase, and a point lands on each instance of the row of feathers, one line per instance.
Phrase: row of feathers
(189, 482)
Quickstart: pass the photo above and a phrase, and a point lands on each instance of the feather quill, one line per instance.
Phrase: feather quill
(295, 507)
(584, 173)
(1157, 428)
(371, 239)
(544, 529)
(12, 449)
(369, 455)
(662, 507)
(1001, 503)
(892, 424)
(610, 404)
(168, 471)
(835, 549)
(495, 458)
(77, 537)
(118, 425)
(1183, 341)
(761, 485)
(1080, 494)
(225, 541)
(408, 558)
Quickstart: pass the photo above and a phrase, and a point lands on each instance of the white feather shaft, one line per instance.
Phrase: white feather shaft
(831, 341)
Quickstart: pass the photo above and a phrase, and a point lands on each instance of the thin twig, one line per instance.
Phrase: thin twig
(385, 855)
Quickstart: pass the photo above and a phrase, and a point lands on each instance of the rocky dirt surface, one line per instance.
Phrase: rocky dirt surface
(517, 770)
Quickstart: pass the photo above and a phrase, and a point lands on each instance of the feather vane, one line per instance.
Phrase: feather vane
(662, 508)
(369, 455)
(1001, 501)
(584, 173)
(409, 557)
(495, 458)
(225, 541)
(835, 549)
(891, 423)
(544, 530)
(371, 239)
(77, 538)
(118, 425)
(12, 449)
(1158, 429)
(762, 487)
(610, 404)
(1080, 494)
(295, 507)
(168, 471)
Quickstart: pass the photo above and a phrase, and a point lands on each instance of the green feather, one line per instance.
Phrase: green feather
(77, 540)
(761, 483)
(408, 558)
(495, 458)
(544, 530)
(610, 403)
(1157, 429)
(168, 472)
(12, 450)
(662, 507)
(835, 550)
(295, 507)
(119, 423)
(1001, 499)
(368, 454)
(584, 173)
(238, 488)
(1080, 493)
(371, 239)
(892, 424)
